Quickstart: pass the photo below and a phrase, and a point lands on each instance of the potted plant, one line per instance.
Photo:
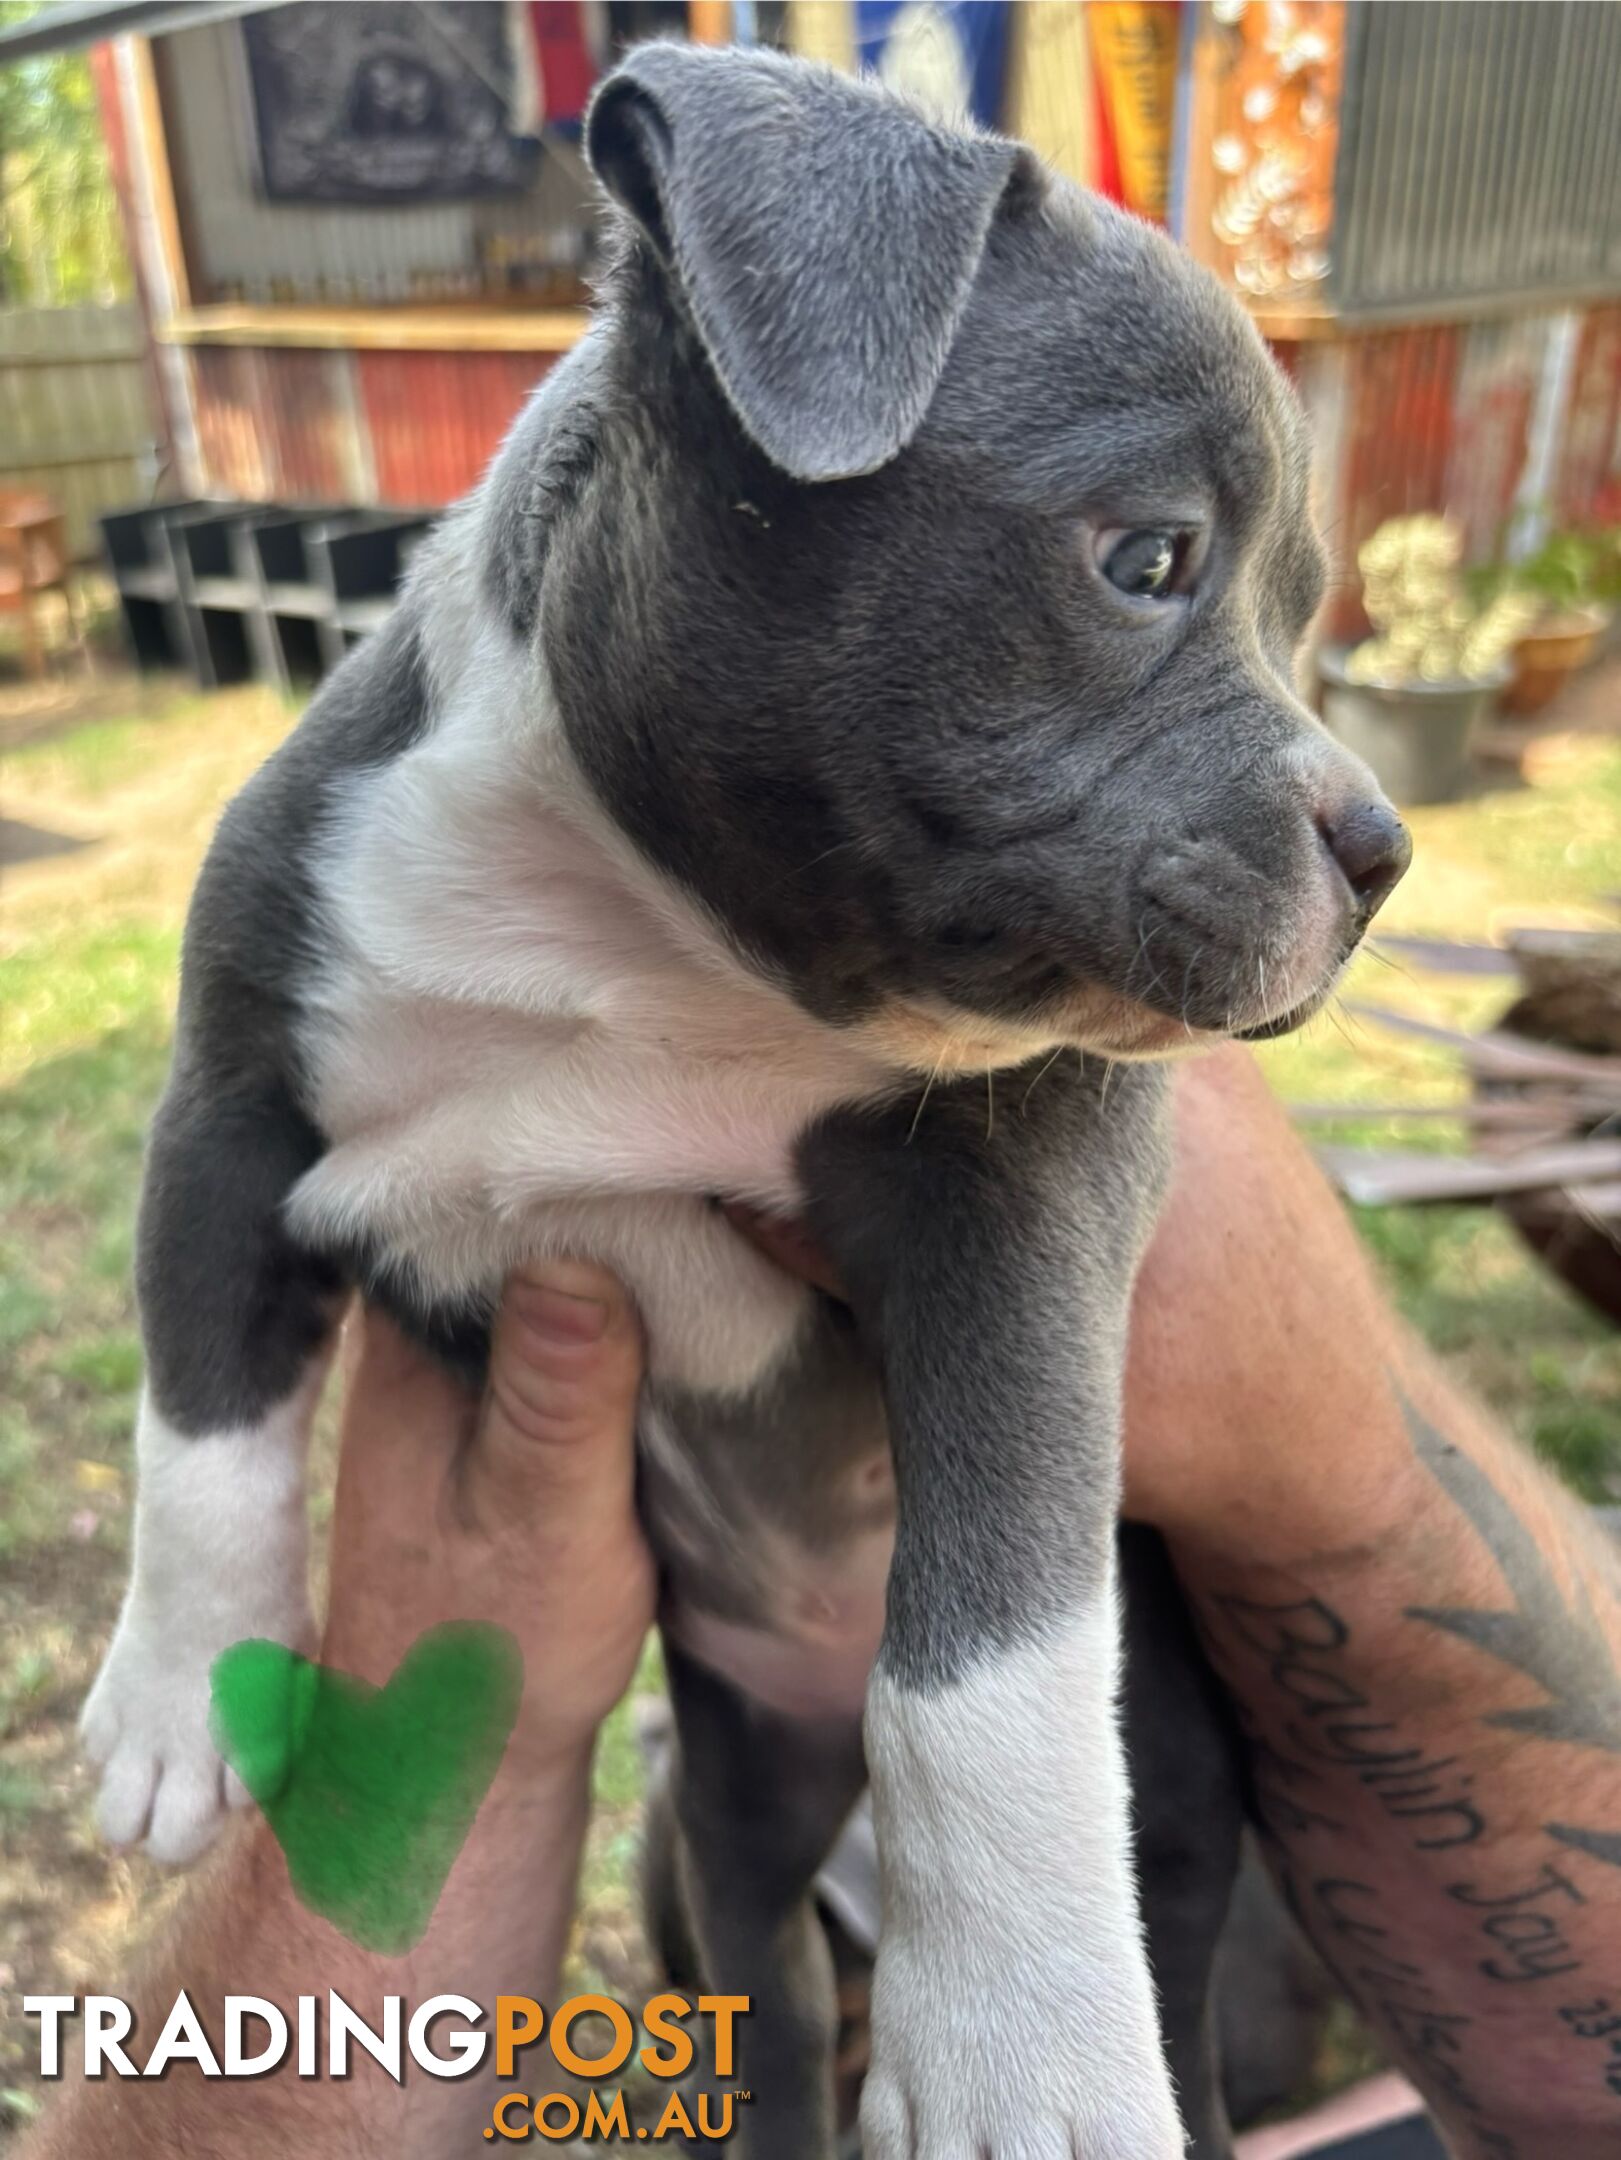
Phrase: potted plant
(1408, 698)
(1575, 579)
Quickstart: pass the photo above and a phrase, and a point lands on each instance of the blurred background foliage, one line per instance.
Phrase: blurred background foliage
(60, 238)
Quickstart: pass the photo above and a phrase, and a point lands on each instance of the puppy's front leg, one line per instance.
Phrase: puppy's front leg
(236, 1320)
(991, 1259)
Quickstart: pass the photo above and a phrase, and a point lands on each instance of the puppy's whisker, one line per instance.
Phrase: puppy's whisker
(1358, 1032)
(928, 1086)
(990, 1102)
(798, 870)
(1156, 980)
(1385, 960)
(1333, 1013)
(1047, 1066)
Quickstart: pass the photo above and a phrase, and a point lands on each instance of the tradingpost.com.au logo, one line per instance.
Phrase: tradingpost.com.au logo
(446, 2036)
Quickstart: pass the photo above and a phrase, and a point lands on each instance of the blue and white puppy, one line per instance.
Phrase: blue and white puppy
(852, 714)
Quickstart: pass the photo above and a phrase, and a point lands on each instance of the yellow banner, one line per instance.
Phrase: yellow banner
(1134, 52)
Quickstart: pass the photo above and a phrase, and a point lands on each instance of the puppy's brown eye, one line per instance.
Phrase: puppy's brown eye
(1145, 564)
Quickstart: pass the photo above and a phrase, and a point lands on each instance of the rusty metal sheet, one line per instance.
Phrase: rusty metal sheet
(435, 419)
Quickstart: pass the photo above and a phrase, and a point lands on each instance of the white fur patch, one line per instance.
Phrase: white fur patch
(524, 1042)
(1013, 2014)
(221, 1553)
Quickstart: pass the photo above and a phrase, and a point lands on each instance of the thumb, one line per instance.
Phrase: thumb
(557, 1428)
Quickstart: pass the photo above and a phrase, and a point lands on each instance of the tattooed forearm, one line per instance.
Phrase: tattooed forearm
(1417, 1813)
(1326, 1735)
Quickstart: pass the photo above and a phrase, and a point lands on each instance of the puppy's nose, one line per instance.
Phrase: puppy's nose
(1372, 848)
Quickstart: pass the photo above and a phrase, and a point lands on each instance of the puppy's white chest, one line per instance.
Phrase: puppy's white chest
(514, 1051)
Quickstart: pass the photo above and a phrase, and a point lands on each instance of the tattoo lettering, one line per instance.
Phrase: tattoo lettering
(1528, 1943)
(1330, 1730)
(1346, 1920)
(1599, 2020)
(1326, 1740)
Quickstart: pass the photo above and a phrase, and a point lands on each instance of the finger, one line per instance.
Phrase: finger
(559, 1416)
(785, 1240)
(396, 1397)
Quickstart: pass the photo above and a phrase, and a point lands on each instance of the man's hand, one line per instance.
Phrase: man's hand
(520, 1510)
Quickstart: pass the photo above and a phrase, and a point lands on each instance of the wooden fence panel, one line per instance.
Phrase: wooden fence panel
(77, 415)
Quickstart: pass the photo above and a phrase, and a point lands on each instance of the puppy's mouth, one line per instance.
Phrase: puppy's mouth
(1286, 1023)
(931, 1035)
(1106, 1023)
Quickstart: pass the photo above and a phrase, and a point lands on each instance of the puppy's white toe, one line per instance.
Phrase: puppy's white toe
(99, 1725)
(147, 1722)
(187, 1808)
(124, 1804)
(886, 2131)
(1014, 2059)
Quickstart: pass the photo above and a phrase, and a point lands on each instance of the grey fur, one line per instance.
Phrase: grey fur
(829, 354)
(231, 1308)
(991, 1265)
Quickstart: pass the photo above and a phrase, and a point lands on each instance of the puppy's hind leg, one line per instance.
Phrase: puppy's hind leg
(758, 1801)
(236, 1321)
(1188, 1814)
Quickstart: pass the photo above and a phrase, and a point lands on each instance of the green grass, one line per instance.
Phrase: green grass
(71, 997)
(90, 761)
(1525, 1344)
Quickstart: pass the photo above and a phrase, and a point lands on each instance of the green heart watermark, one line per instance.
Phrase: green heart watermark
(370, 1792)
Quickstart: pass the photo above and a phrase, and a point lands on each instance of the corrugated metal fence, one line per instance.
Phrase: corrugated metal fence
(1480, 154)
(76, 409)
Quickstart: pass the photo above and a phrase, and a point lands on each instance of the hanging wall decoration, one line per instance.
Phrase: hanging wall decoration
(375, 103)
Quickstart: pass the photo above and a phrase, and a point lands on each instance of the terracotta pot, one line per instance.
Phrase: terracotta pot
(1547, 656)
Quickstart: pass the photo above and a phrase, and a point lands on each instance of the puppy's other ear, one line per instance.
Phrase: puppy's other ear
(825, 238)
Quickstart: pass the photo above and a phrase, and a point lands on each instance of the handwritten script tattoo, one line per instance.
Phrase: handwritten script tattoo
(1329, 1734)
(1529, 1943)
(1330, 1727)
(1346, 1920)
(1599, 2020)
(1555, 1640)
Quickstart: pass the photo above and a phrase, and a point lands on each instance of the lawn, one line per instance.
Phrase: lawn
(89, 941)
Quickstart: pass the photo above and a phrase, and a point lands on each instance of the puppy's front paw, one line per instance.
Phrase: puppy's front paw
(145, 1725)
(1028, 2062)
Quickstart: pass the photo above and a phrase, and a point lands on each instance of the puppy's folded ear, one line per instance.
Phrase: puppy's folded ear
(824, 236)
